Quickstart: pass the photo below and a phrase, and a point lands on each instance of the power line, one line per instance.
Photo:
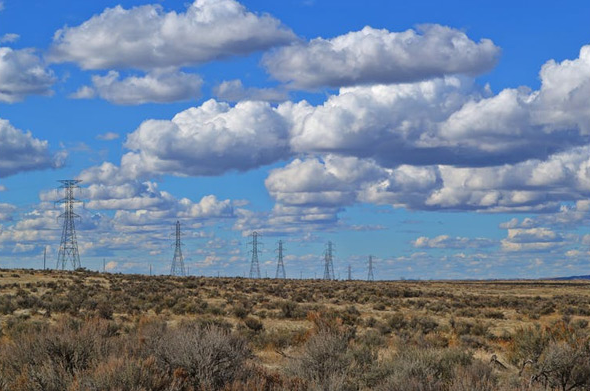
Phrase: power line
(68, 248)
(177, 268)
(280, 265)
(254, 266)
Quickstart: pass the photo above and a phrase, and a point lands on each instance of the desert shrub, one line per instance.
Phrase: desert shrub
(253, 324)
(397, 321)
(473, 341)
(104, 310)
(323, 361)
(127, 374)
(528, 344)
(557, 356)
(51, 359)
(350, 316)
(580, 324)
(289, 309)
(383, 328)
(372, 338)
(493, 314)
(364, 371)
(468, 312)
(478, 376)
(240, 311)
(215, 310)
(370, 322)
(538, 309)
(477, 328)
(7, 306)
(563, 366)
(260, 379)
(283, 338)
(416, 369)
(423, 323)
(207, 357)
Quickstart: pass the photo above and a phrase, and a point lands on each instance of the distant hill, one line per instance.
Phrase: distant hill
(586, 277)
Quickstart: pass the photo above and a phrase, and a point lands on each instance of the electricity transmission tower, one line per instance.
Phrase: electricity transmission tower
(370, 276)
(254, 267)
(349, 273)
(328, 263)
(280, 265)
(68, 248)
(177, 268)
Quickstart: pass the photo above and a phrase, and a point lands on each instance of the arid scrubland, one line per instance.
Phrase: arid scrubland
(89, 331)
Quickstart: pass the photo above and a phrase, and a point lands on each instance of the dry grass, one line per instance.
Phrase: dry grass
(292, 326)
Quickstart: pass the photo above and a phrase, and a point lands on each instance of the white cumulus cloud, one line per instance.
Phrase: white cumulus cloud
(373, 56)
(157, 87)
(108, 136)
(147, 37)
(531, 239)
(437, 144)
(22, 74)
(209, 140)
(84, 92)
(20, 151)
(9, 37)
(446, 241)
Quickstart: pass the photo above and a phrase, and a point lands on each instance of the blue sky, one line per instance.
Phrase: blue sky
(447, 139)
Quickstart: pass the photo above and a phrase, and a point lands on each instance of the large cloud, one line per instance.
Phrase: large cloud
(146, 37)
(20, 151)
(533, 185)
(445, 121)
(436, 144)
(209, 140)
(319, 183)
(565, 93)
(372, 56)
(531, 239)
(22, 74)
(448, 242)
(159, 87)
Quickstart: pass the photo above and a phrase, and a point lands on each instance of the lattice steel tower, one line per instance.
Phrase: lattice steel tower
(280, 265)
(349, 273)
(328, 263)
(254, 266)
(68, 248)
(370, 276)
(177, 268)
